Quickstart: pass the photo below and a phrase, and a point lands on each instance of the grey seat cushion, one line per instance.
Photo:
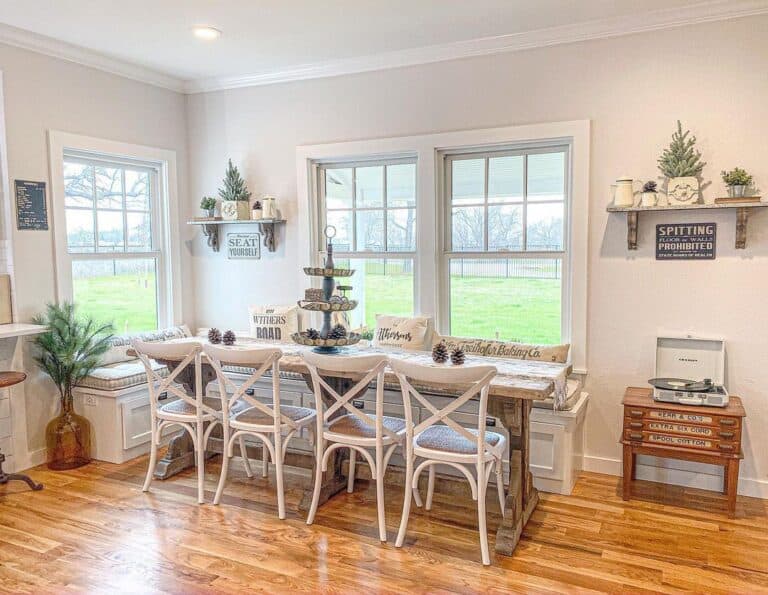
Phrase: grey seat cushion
(351, 425)
(447, 439)
(121, 375)
(257, 417)
(182, 407)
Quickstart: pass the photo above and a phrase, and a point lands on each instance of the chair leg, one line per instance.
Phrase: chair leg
(152, 459)
(380, 494)
(408, 495)
(224, 470)
(244, 454)
(430, 488)
(481, 489)
(351, 474)
(318, 479)
(500, 487)
(200, 464)
(264, 461)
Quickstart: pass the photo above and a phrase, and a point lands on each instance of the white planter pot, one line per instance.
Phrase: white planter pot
(683, 191)
(738, 191)
(648, 199)
(235, 210)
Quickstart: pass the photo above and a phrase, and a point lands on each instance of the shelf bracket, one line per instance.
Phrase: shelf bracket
(268, 231)
(742, 215)
(632, 217)
(211, 232)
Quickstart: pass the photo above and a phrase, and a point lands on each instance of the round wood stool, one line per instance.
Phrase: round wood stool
(10, 379)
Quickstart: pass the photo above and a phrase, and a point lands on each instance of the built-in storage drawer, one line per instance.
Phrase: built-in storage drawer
(137, 421)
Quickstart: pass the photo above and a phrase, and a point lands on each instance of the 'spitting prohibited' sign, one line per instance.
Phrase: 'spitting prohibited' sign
(686, 241)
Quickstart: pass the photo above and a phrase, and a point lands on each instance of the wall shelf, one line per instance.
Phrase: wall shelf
(211, 229)
(742, 215)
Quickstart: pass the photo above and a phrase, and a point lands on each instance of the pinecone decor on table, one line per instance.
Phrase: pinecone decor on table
(214, 336)
(311, 333)
(440, 353)
(229, 338)
(457, 356)
(338, 332)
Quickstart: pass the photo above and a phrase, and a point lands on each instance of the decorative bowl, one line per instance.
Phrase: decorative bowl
(350, 339)
(322, 306)
(323, 272)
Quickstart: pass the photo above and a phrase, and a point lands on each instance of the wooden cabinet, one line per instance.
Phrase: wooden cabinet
(702, 434)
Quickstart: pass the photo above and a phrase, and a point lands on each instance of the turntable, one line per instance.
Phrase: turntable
(678, 358)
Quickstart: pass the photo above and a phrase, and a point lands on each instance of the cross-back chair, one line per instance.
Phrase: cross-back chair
(440, 440)
(342, 425)
(273, 424)
(188, 412)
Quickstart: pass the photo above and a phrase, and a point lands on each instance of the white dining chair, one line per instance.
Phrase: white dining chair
(440, 440)
(356, 430)
(188, 412)
(274, 425)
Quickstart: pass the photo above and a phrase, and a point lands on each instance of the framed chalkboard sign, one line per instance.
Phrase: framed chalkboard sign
(686, 241)
(31, 206)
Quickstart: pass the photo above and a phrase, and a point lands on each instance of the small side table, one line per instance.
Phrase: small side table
(9, 379)
(690, 433)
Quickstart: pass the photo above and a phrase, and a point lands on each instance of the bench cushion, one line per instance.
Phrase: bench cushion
(121, 375)
(121, 343)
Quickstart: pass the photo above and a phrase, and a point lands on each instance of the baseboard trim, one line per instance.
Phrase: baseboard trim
(672, 472)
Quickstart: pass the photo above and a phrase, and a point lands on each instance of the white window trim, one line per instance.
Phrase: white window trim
(429, 151)
(165, 160)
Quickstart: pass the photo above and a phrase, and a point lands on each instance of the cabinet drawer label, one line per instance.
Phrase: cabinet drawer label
(679, 441)
(680, 428)
(675, 416)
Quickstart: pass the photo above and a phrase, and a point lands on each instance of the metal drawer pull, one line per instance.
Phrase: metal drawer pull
(635, 436)
(162, 396)
(726, 434)
(358, 404)
(490, 422)
(727, 422)
(635, 413)
(636, 425)
(726, 446)
(250, 392)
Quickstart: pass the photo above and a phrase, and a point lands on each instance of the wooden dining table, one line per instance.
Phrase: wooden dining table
(512, 392)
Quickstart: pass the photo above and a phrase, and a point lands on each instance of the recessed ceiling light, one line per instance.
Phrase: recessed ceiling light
(206, 32)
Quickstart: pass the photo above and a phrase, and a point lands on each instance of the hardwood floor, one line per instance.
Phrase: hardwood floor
(92, 529)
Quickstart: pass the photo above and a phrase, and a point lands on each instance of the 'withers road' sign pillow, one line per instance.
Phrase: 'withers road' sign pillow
(274, 323)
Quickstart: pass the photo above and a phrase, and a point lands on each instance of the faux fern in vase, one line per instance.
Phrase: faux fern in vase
(681, 164)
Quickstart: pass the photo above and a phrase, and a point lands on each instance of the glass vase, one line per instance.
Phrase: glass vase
(68, 439)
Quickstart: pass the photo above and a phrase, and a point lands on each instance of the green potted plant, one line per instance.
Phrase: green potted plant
(208, 204)
(681, 164)
(234, 196)
(737, 181)
(69, 350)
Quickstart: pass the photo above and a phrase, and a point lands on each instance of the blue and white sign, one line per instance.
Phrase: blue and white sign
(243, 245)
(686, 241)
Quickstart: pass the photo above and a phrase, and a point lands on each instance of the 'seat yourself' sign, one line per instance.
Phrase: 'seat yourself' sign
(243, 245)
(686, 241)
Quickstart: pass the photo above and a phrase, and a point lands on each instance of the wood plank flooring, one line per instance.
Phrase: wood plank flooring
(93, 530)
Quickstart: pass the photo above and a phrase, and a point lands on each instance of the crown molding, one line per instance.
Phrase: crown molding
(48, 46)
(716, 10)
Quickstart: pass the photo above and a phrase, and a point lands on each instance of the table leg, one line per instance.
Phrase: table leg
(522, 497)
(732, 472)
(627, 472)
(181, 453)
(333, 480)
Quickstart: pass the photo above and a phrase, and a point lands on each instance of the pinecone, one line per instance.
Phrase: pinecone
(214, 336)
(338, 332)
(228, 338)
(311, 333)
(440, 353)
(457, 356)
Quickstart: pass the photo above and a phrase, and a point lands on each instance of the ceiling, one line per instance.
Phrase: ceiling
(268, 37)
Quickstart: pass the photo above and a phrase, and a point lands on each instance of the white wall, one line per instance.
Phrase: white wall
(43, 93)
(633, 89)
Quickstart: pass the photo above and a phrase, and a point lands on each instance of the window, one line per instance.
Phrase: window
(113, 241)
(505, 244)
(372, 205)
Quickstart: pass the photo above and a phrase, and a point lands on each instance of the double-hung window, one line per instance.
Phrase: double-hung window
(114, 239)
(372, 206)
(505, 244)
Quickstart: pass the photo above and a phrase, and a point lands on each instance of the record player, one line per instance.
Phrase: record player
(690, 371)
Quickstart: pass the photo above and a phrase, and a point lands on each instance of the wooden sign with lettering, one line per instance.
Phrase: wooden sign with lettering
(243, 245)
(31, 207)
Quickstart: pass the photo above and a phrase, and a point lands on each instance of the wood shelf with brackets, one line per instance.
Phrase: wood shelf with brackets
(211, 227)
(742, 215)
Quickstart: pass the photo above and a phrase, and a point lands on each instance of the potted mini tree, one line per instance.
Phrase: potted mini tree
(234, 196)
(69, 351)
(208, 204)
(737, 181)
(681, 164)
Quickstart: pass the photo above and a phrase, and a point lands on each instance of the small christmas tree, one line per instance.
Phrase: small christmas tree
(680, 159)
(234, 185)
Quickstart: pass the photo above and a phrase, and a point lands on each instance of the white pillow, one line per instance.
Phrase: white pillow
(404, 333)
(274, 323)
